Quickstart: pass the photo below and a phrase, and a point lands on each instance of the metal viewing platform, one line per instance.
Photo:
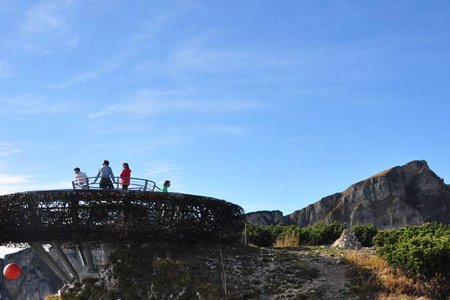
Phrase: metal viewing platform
(139, 214)
(87, 215)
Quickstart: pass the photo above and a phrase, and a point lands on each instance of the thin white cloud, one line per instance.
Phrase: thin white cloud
(174, 139)
(10, 183)
(147, 103)
(160, 171)
(56, 185)
(29, 104)
(21, 183)
(133, 46)
(206, 53)
(195, 54)
(76, 79)
(7, 151)
(227, 130)
(46, 16)
(8, 179)
(160, 168)
(49, 26)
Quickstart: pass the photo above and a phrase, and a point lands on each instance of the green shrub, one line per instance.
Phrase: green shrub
(321, 233)
(365, 234)
(261, 236)
(317, 234)
(422, 251)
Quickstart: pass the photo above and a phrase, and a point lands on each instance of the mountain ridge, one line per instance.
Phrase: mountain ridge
(393, 198)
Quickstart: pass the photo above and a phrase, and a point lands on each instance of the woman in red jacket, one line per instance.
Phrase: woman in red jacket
(125, 176)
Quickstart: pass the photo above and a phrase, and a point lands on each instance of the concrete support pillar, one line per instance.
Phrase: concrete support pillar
(81, 256)
(88, 256)
(65, 261)
(51, 263)
(107, 249)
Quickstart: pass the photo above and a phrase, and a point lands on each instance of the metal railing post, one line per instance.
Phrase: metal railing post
(145, 185)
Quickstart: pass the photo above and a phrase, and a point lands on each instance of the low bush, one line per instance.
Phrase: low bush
(365, 234)
(317, 234)
(421, 251)
(321, 234)
(261, 236)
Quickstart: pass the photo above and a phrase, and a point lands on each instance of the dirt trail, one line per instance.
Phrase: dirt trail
(332, 279)
(290, 274)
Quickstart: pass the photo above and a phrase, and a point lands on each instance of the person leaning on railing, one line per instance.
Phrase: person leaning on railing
(125, 176)
(107, 176)
(81, 179)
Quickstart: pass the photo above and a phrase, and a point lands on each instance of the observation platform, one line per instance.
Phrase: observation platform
(140, 214)
(87, 216)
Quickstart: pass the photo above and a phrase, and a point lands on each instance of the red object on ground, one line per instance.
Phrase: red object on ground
(11, 271)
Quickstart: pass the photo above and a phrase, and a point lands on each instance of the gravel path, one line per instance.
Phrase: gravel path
(290, 274)
(332, 280)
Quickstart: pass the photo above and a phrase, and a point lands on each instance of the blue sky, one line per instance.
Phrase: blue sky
(267, 104)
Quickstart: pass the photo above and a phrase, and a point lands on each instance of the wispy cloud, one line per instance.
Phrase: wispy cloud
(46, 16)
(203, 53)
(11, 183)
(7, 151)
(207, 53)
(4, 69)
(148, 103)
(227, 130)
(160, 168)
(48, 27)
(165, 170)
(76, 79)
(29, 104)
(135, 44)
(9, 179)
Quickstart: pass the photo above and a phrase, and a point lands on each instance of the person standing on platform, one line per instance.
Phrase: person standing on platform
(107, 176)
(166, 186)
(81, 179)
(125, 176)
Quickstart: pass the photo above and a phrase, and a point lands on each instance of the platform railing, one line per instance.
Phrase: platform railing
(135, 184)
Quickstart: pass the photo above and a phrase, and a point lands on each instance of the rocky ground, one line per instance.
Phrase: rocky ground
(227, 272)
(292, 274)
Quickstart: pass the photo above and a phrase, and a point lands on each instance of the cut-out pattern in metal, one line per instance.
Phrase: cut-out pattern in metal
(74, 216)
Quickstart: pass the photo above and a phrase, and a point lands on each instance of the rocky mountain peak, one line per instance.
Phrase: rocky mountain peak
(402, 195)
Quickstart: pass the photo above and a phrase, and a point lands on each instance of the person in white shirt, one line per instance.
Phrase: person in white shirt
(81, 179)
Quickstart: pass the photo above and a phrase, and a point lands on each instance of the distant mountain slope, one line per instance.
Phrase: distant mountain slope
(35, 281)
(265, 217)
(409, 194)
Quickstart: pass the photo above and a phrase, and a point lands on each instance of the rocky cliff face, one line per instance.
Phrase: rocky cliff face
(265, 217)
(35, 282)
(409, 194)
